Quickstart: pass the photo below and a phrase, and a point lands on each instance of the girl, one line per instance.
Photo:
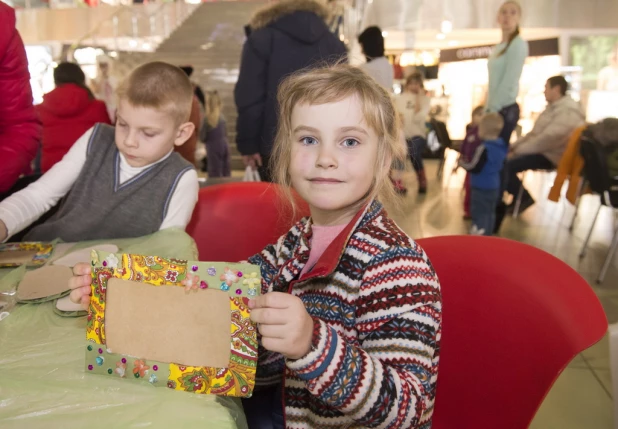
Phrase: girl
(350, 316)
(468, 147)
(505, 65)
(413, 106)
(214, 134)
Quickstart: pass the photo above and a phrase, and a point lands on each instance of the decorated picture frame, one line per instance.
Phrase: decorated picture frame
(173, 323)
(30, 254)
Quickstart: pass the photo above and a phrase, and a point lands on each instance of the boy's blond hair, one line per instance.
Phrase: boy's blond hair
(332, 84)
(490, 126)
(213, 108)
(161, 86)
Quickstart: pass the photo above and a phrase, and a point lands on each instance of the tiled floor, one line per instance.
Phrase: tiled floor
(582, 396)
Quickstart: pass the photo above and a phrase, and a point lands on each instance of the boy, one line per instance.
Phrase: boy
(484, 168)
(119, 182)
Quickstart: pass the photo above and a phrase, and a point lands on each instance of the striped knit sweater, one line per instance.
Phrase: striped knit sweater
(375, 301)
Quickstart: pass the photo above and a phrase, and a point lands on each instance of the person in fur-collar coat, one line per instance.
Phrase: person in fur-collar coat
(282, 38)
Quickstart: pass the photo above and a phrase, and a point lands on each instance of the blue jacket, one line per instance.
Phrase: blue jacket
(486, 164)
(282, 39)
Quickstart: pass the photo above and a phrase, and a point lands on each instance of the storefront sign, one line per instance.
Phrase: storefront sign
(537, 48)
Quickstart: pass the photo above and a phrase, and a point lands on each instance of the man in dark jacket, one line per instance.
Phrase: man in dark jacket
(19, 127)
(285, 37)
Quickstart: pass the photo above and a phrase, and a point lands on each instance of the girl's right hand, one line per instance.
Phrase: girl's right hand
(80, 284)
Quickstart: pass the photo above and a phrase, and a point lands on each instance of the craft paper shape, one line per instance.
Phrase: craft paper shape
(65, 304)
(29, 254)
(173, 323)
(44, 284)
(83, 255)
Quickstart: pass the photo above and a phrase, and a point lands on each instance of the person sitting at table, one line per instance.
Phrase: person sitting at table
(118, 182)
(542, 148)
(327, 283)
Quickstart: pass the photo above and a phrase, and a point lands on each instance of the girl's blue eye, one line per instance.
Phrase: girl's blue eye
(308, 140)
(350, 143)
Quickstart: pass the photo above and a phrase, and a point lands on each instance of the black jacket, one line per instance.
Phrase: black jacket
(284, 38)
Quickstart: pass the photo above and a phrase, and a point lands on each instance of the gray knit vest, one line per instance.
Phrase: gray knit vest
(99, 207)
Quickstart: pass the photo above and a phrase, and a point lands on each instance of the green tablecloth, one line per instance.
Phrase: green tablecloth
(43, 383)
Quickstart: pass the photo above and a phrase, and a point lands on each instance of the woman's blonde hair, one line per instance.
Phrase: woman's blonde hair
(213, 108)
(516, 32)
(329, 85)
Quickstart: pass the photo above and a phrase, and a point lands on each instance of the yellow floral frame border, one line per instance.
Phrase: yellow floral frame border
(240, 281)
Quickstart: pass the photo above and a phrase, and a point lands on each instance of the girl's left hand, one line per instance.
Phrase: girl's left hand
(284, 323)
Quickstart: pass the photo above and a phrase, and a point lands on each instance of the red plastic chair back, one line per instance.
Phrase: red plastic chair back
(513, 317)
(234, 221)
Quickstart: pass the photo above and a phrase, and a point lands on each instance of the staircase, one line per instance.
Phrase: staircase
(210, 40)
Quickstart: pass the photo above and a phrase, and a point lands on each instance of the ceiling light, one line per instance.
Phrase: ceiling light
(384, 33)
(440, 36)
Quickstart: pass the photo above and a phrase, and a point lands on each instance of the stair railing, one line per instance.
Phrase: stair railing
(151, 26)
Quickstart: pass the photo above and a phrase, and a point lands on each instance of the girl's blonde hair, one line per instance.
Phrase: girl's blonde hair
(329, 85)
(213, 108)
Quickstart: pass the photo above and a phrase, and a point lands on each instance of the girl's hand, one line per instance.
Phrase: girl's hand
(284, 323)
(80, 284)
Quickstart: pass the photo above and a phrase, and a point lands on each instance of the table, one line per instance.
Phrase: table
(43, 383)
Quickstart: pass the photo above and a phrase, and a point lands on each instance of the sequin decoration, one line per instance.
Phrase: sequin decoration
(155, 367)
(224, 286)
(153, 378)
(99, 360)
(110, 371)
(90, 367)
(211, 271)
(203, 285)
(89, 348)
(124, 360)
(252, 292)
(100, 351)
(239, 274)
(194, 268)
(238, 291)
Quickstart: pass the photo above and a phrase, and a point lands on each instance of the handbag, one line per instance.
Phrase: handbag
(251, 175)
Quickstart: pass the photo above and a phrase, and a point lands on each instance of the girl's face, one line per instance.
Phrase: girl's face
(509, 16)
(414, 87)
(476, 119)
(333, 158)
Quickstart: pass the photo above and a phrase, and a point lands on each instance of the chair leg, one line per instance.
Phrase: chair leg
(585, 246)
(580, 190)
(441, 165)
(609, 257)
(520, 195)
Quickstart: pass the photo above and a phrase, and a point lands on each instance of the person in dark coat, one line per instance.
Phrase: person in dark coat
(282, 38)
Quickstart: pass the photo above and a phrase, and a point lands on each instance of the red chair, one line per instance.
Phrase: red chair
(234, 221)
(513, 318)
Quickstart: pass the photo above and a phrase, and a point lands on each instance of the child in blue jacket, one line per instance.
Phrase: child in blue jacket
(484, 168)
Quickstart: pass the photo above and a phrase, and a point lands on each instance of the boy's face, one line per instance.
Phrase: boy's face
(333, 158)
(144, 135)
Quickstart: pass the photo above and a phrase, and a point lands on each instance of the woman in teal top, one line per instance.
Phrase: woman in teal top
(505, 65)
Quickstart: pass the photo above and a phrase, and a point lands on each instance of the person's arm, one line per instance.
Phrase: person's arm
(270, 364)
(515, 58)
(390, 377)
(478, 161)
(553, 136)
(250, 92)
(22, 208)
(182, 202)
(20, 128)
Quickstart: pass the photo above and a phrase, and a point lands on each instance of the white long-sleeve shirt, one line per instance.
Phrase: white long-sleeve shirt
(23, 208)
